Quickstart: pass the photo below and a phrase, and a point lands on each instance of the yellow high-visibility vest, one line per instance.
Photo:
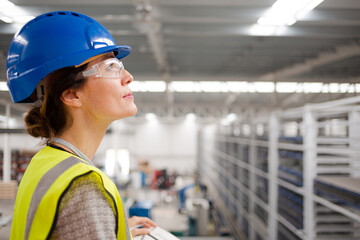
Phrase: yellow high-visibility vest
(48, 176)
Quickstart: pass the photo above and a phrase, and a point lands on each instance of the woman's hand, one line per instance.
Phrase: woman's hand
(145, 228)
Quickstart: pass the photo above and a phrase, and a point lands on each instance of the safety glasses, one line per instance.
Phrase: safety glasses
(109, 68)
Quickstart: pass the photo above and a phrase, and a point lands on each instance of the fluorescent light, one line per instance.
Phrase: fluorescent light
(190, 118)
(3, 86)
(185, 86)
(156, 86)
(22, 19)
(12, 13)
(151, 117)
(268, 21)
(213, 86)
(148, 86)
(334, 87)
(138, 87)
(282, 13)
(6, 19)
(6, 3)
(251, 87)
(291, 21)
(347, 88)
(262, 30)
(237, 87)
(313, 87)
(231, 117)
(286, 87)
(264, 87)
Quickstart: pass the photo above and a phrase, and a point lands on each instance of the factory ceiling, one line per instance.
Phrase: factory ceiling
(200, 41)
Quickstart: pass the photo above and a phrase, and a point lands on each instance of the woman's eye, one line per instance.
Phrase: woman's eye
(112, 66)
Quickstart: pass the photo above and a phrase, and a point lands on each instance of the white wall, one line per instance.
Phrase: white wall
(164, 145)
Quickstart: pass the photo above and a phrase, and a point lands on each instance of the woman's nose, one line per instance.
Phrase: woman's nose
(127, 78)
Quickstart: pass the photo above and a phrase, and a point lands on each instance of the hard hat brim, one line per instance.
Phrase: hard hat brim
(120, 52)
(40, 72)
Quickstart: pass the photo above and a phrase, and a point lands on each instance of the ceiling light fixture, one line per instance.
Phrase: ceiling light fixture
(148, 86)
(10, 13)
(231, 117)
(6, 3)
(6, 19)
(3, 86)
(22, 19)
(151, 117)
(236, 87)
(287, 12)
(281, 14)
(190, 118)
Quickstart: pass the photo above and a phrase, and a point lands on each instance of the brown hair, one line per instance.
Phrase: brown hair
(51, 118)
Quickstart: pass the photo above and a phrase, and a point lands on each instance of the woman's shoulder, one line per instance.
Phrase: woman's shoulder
(85, 201)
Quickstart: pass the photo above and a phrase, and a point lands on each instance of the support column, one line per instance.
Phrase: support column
(354, 142)
(252, 180)
(310, 131)
(169, 97)
(273, 165)
(7, 149)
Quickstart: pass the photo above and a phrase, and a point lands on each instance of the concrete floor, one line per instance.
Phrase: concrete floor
(164, 213)
(169, 219)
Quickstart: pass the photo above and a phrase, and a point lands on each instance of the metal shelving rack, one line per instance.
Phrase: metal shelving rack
(290, 180)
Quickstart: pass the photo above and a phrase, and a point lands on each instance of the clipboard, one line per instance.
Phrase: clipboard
(157, 233)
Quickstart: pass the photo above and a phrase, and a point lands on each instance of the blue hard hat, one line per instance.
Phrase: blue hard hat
(52, 41)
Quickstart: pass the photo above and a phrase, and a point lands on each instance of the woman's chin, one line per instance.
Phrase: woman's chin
(131, 112)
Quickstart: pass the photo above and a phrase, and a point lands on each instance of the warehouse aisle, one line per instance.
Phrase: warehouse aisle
(169, 218)
(165, 213)
(165, 208)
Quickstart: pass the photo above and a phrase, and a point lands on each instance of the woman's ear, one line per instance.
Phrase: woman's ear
(70, 98)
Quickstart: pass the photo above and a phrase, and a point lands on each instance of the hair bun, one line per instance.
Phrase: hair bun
(36, 124)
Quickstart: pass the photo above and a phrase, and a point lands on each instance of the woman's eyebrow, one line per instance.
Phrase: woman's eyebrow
(106, 56)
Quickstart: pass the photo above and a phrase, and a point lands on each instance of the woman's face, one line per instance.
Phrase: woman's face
(107, 98)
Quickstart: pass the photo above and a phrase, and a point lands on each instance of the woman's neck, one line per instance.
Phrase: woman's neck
(85, 136)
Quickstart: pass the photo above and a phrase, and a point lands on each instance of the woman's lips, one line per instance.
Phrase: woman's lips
(129, 95)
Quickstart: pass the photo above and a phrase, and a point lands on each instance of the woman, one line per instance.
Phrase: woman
(68, 66)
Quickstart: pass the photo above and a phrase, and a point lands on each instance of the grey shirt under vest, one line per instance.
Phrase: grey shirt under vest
(85, 212)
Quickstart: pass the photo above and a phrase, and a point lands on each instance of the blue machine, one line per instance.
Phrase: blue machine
(182, 195)
(141, 209)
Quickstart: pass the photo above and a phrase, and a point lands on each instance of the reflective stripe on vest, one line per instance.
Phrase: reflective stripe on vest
(43, 186)
(47, 178)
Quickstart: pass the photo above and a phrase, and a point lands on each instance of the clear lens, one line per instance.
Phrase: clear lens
(110, 68)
